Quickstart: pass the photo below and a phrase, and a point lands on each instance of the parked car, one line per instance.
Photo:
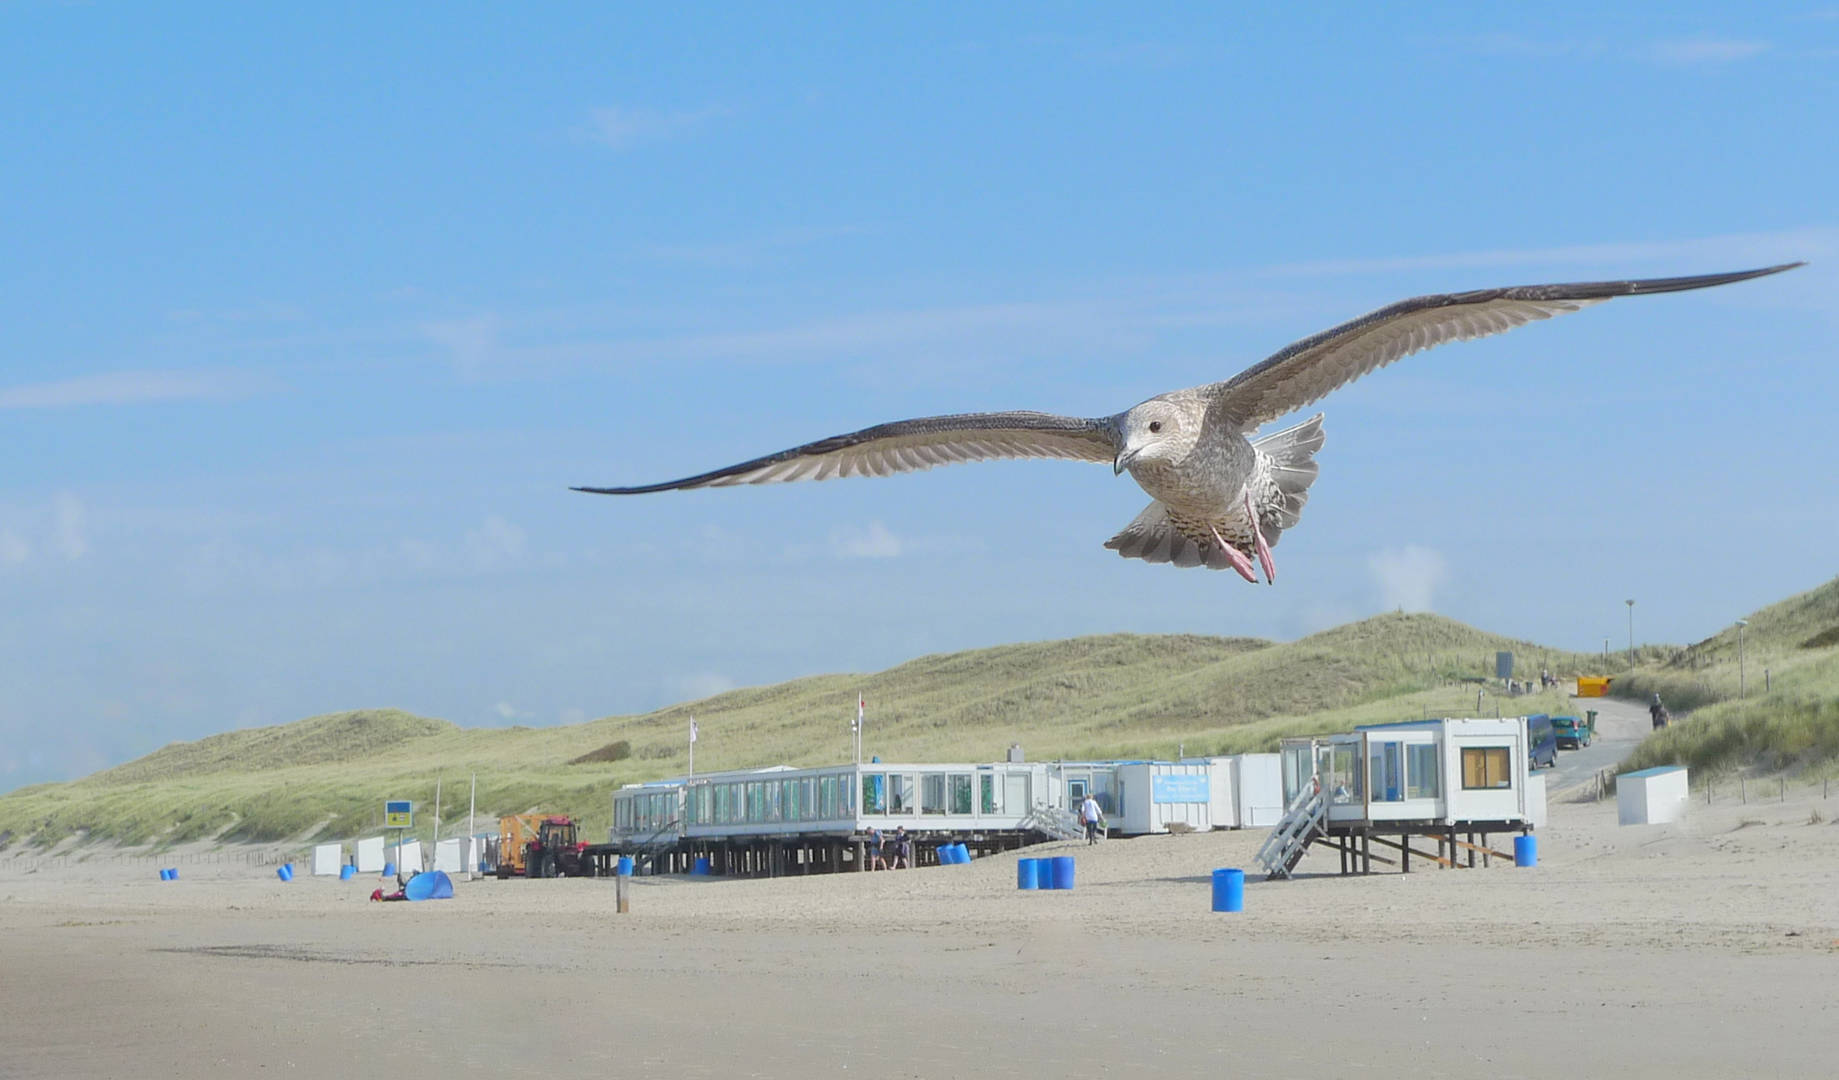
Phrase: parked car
(1541, 742)
(1572, 733)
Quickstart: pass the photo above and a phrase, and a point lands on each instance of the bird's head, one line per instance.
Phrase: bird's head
(1157, 430)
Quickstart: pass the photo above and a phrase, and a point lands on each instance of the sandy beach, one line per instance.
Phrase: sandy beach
(1705, 948)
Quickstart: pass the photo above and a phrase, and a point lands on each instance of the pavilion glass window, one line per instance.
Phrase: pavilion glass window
(961, 793)
(932, 793)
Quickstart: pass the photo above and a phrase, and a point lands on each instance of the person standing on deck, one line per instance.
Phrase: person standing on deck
(1090, 813)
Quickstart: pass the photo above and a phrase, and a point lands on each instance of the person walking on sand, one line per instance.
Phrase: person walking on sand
(1090, 813)
(903, 849)
(875, 843)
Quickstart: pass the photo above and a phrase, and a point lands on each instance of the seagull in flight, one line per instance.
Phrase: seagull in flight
(1220, 497)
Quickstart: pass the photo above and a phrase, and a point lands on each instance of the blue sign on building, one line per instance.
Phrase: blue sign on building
(1173, 789)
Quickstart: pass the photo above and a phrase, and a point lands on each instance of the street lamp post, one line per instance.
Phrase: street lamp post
(1631, 632)
(1741, 623)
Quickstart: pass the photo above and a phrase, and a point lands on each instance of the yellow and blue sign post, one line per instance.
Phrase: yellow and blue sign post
(398, 814)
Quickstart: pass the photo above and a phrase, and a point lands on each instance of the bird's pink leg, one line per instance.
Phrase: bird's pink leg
(1264, 549)
(1234, 556)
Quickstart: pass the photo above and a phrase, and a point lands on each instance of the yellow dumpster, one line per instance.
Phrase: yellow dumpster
(1593, 685)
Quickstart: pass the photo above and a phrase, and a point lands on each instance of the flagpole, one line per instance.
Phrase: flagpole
(692, 746)
(472, 802)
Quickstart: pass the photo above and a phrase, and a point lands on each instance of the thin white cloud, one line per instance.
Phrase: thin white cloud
(1785, 245)
(1502, 44)
(621, 126)
(472, 343)
(69, 538)
(13, 548)
(1704, 51)
(1408, 577)
(873, 542)
(132, 388)
(495, 545)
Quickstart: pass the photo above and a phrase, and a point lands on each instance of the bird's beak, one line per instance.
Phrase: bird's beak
(1123, 460)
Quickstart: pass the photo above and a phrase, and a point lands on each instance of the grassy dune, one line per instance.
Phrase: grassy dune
(1110, 696)
(1792, 725)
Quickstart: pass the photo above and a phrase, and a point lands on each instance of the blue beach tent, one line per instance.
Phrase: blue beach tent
(433, 885)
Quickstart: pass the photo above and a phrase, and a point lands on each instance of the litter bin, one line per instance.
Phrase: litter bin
(1229, 890)
(1526, 850)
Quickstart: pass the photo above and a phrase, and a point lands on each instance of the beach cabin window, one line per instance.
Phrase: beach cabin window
(874, 793)
(961, 793)
(1075, 792)
(1342, 775)
(932, 793)
(826, 798)
(1386, 771)
(900, 793)
(1486, 768)
(794, 800)
(1421, 776)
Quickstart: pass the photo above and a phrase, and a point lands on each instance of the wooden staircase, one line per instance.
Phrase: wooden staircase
(1303, 821)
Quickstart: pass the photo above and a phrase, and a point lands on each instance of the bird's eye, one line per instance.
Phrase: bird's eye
(1155, 426)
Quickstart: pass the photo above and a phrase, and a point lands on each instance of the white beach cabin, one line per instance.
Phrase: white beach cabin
(1433, 778)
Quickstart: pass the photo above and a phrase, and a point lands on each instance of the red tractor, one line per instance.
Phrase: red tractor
(537, 846)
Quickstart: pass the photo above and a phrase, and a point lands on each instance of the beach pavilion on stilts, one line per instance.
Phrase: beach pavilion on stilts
(1403, 787)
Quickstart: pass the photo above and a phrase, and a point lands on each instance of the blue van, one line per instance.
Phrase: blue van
(1541, 742)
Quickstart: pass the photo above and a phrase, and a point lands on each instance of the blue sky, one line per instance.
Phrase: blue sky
(315, 315)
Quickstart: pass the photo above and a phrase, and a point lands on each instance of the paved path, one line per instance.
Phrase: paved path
(1620, 725)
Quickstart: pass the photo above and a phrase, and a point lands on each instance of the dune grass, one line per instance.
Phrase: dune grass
(1742, 720)
(1095, 697)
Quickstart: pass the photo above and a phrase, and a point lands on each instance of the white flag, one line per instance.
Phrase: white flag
(861, 704)
(692, 729)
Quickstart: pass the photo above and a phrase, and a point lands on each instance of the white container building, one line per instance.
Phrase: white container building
(1651, 796)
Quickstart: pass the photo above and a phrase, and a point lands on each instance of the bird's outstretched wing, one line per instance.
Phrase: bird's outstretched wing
(907, 445)
(1311, 368)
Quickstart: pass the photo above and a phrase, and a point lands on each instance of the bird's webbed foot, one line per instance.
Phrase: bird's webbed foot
(1234, 556)
(1264, 549)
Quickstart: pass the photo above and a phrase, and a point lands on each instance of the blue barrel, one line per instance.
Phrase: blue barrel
(347, 872)
(285, 871)
(1229, 890)
(959, 855)
(1024, 873)
(173, 874)
(389, 869)
(1526, 850)
(165, 875)
(1043, 873)
(964, 854)
(1063, 871)
(624, 866)
(701, 865)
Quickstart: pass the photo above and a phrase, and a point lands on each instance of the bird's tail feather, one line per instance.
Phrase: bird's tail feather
(1291, 454)
(1153, 538)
